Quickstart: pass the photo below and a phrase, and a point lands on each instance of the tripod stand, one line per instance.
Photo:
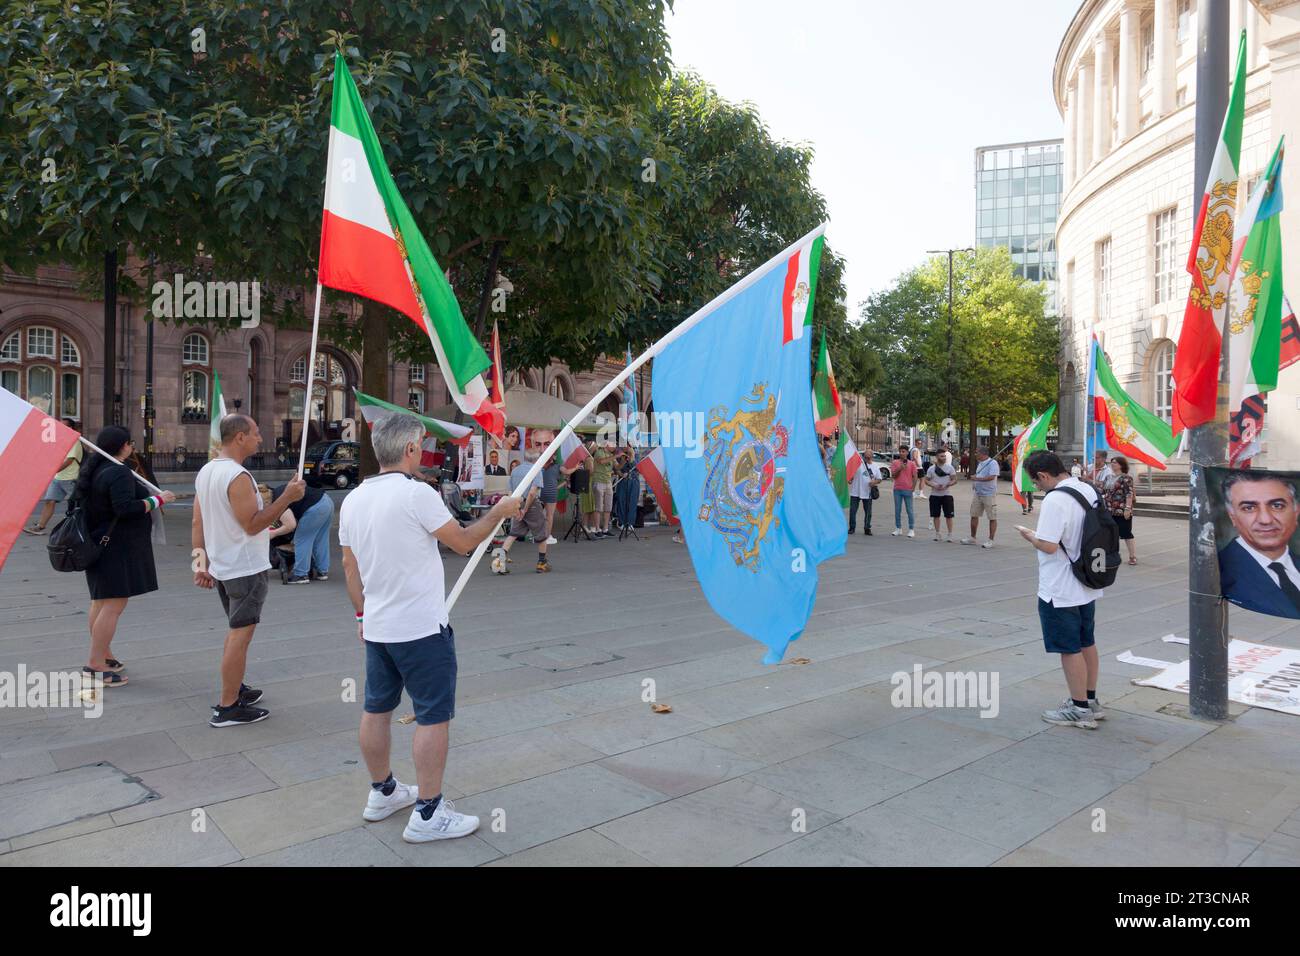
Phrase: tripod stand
(577, 527)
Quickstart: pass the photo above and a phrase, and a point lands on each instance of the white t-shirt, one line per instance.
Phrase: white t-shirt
(860, 487)
(941, 478)
(1076, 471)
(388, 522)
(1060, 519)
(231, 551)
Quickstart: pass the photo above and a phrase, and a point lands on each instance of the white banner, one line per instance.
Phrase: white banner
(1258, 675)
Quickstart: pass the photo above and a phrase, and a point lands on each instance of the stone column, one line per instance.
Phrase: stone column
(1067, 149)
(1129, 40)
(1166, 59)
(1083, 131)
(1101, 105)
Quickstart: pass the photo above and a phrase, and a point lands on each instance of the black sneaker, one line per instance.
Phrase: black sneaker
(317, 576)
(868, 531)
(297, 579)
(237, 713)
(248, 696)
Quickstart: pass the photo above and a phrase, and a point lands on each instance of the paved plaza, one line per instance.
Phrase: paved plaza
(555, 749)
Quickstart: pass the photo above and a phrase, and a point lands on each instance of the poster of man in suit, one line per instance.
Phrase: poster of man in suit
(1255, 517)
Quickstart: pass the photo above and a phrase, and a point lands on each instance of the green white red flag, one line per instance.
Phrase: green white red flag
(217, 412)
(1256, 308)
(572, 451)
(845, 463)
(370, 245)
(1131, 430)
(826, 397)
(651, 468)
(1033, 438)
(800, 289)
(1200, 343)
(374, 410)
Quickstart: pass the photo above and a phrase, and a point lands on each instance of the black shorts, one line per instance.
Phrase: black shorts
(941, 503)
(425, 668)
(1067, 630)
(1125, 527)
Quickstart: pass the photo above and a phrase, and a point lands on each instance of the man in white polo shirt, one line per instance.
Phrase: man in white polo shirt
(389, 528)
(232, 546)
(1066, 606)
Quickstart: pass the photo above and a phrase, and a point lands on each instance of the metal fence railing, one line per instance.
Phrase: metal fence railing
(194, 460)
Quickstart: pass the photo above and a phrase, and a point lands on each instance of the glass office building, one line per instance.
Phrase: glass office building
(1017, 198)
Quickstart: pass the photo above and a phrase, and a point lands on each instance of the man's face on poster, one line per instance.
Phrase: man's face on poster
(492, 457)
(1264, 514)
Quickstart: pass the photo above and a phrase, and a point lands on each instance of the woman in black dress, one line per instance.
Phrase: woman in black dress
(125, 568)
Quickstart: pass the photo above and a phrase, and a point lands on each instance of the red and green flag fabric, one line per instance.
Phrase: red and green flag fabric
(651, 468)
(374, 410)
(1033, 438)
(216, 413)
(572, 451)
(370, 245)
(1196, 361)
(800, 289)
(497, 391)
(845, 463)
(1131, 430)
(1256, 309)
(826, 397)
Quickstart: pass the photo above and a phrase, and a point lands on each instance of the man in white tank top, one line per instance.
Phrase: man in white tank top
(232, 545)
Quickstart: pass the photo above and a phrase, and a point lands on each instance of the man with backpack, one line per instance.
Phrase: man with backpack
(1078, 554)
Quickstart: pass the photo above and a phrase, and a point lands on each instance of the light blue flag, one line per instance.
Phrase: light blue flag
(735, 412)
(632, 422)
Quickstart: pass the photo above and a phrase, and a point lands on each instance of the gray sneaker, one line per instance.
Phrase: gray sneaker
(1067, 715)
(1094, 705)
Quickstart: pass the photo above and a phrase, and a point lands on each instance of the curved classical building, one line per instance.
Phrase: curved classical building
(1125, 83)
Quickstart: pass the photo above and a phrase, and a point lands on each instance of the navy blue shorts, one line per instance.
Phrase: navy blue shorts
(426, 667)
(1066, 630)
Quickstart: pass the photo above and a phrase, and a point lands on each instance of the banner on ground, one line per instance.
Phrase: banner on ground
(1258, 674)
(1255, 517)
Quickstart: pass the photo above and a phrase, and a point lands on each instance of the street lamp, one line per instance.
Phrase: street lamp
(948, 377)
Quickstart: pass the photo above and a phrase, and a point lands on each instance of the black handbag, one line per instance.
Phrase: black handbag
(71, 547)
(875, 493)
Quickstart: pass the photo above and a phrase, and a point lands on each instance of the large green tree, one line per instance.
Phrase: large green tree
(1002, 362)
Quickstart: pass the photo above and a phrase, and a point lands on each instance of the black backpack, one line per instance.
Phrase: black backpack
(1100, 539)
(71, 547)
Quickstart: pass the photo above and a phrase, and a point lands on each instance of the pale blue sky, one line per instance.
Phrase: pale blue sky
(894, 95)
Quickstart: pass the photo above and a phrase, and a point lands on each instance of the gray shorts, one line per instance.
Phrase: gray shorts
(242, 598)
(534, 520)
(60, 490)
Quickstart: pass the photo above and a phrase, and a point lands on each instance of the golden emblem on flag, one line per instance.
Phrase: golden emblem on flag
(799, 303)
(742, 485)
(1119, 422)
(1251, 283)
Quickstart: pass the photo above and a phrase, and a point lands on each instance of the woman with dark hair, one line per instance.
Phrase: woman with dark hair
(119, 507)
(1120, 498)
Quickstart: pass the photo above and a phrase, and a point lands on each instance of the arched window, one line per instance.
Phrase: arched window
(43, 365)
(1069, 404)
(559, 388)
(298, 371)
(330, 390)
(415, 393)
(1162, 380)
(196, 363)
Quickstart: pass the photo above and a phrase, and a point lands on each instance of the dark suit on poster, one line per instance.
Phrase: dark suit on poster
(1246, 584)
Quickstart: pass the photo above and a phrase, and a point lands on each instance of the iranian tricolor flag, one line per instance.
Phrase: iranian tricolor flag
(844, 465)
(1256, 309)
(826, 397)
(1131, 430)
(1200, 343)
(651, 468)
(375, 410)
(371, 246)
(572, 451)
(498, 389)
(1033, 438)
(33, 444)
(218, 413)
(800, 289)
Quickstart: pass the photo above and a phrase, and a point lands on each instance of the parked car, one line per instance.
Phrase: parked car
(332, 464)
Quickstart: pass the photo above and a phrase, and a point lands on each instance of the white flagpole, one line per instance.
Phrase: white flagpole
(686, 325)
(138, 477)
(311, 382)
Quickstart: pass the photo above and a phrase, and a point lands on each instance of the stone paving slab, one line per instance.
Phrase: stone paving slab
(39, 803)
(552, 728)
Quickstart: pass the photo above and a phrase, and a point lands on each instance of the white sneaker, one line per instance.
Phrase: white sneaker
(936, 537)
(445, 824)
(969, 541)
(551, 540)
(1067, 715)
(950, 539)
(897, 532)
(380, 807)
(987, 544)
(499, 561)
(911, 534)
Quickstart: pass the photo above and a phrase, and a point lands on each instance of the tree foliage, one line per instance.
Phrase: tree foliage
(1003, 354)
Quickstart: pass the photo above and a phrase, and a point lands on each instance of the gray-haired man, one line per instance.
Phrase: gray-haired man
(389, 528)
